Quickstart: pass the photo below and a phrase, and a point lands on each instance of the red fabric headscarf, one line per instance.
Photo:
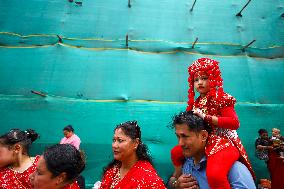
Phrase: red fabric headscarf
(211, 67)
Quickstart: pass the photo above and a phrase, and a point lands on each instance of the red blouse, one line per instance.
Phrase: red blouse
(10, 179)
(142, 175)
(74, 185)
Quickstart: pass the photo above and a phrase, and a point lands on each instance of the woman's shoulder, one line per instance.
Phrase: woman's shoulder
(35, 159)
(111, 171)
(148, 173)
(6, 178)
(144, 165)
(4, 170)
(4, 174)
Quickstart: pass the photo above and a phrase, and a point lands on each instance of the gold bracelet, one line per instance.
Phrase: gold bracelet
(173, 180)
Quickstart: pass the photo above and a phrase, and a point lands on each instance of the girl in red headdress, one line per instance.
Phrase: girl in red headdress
(217, 108)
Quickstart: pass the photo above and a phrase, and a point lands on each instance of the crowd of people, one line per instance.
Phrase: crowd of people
(271, 150)
(209, 153)
(57, 168)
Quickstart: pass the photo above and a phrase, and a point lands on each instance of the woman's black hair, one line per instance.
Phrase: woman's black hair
(66, 158)
(24, 138)
(68, 128)
(132, 130)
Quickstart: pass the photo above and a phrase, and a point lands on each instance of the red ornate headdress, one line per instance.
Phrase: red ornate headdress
(213, 72)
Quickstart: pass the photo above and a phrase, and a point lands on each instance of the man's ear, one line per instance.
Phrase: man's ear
(61, 178)
(204, 135)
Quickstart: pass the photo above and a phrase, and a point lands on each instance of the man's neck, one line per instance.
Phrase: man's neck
(197, 158)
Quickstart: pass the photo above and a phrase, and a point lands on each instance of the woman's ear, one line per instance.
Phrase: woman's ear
(17, 148)
(136, 143)
(204, 135)
(61, 178)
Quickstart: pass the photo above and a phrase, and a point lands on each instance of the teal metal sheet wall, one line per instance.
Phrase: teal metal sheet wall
(76, 53)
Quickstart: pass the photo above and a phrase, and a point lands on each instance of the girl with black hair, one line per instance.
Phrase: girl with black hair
(132, 165)
(16, 165)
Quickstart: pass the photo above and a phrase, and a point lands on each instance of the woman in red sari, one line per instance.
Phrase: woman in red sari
(58, 168)
(131, 167)
(217, 108)
(15, 163)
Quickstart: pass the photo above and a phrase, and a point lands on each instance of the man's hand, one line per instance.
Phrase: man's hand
(187, 182)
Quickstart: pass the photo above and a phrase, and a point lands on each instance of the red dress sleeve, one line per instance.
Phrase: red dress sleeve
(177, 156)
(228, 118)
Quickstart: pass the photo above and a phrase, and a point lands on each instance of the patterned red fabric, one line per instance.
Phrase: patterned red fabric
(10, 179)
(74, 185)
(221, 163)
(276, 169)
(142, 175)
(228, 121)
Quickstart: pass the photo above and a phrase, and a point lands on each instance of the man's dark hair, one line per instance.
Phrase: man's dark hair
(261, 131)
(194, 122)
(66, 158)
(68, 128)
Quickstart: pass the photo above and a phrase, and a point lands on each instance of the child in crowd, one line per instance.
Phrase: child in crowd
(217, 108)
(277, 141)
(276, 137)
(262, 145)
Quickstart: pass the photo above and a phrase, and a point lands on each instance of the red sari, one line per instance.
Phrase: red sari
(74, 185)
(142, 175)
(10, 179)
(276, 168)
